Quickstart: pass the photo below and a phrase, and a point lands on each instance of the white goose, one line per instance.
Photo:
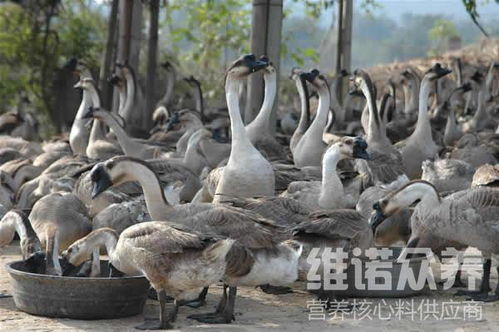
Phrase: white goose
(310, 148)
(247, 173)
(420, 145)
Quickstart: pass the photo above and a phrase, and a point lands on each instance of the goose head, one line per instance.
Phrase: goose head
(246, 65)
(77, 253)
(359, 80)
(436, 72)
(113, 172)
(78, 67)
(349, 147)
(117, 80)
(399, 199)
(316, 79)
(85, 83)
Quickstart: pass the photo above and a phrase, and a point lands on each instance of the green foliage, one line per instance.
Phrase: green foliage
(35, 40)
(440, 34)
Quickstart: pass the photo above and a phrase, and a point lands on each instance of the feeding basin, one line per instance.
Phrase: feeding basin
(77, 297)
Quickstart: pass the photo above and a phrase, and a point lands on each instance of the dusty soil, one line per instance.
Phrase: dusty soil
(257, 311)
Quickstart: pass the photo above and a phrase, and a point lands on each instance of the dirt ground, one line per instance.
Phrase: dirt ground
(257, 311)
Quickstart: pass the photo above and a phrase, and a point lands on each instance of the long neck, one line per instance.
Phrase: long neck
(122, 98)
(374, 126)
(418, 191)
(104, 237)
(153, 192)
(423, 124)
(170, 86)
(130, 93)
(415, 87)
(127, 144)
(239, 137)
(262, 120)
(331, 188)
(320, 120)
(98, 131)
(198, 95)
(481, 112)
(301, 85)
(86, 101)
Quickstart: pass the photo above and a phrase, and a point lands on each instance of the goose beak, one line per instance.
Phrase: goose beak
(66, 266)
(100, 180)
(376, 218)
(258, 65)
(359, 149)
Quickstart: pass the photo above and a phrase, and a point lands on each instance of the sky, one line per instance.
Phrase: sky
(394, 9)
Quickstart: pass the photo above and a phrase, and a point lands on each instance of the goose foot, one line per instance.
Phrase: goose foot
(458, 284)
(154, 324)
(215, 319)
(196, 303)
(203, 315)
(3, 295)
(484, 298)
(275, 290)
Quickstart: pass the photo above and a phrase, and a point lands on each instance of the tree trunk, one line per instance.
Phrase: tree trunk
(107, 60)
(125, 30)
(151, 60)
(266, 25)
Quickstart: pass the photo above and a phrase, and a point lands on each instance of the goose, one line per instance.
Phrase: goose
(8, 154)
(58, 220)
(129, 146)
(452, 132)
(303, 123)
(20, 171)
(329, 193)
(26, 148)
(486, 175)
(98, 146)
(480, 118)
(7, 195)
(394, 229)
(420, 145)
(120, 216)
(310, 148)
(468, 217)
(474, 151)
(248, 228)
(247, 172)
(448, 175)
(259, 131)
(79, 134)
(385, 163)
(198, 96)
(190, 122)
(176, 262)
(341, 228)
(16, 221)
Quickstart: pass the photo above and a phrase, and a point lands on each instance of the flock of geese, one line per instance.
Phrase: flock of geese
(411, 160)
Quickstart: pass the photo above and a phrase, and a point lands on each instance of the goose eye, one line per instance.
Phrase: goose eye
(348, 142)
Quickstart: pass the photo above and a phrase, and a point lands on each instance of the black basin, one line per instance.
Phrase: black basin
(76, 297)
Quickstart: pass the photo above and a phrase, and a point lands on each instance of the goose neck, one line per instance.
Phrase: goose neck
(130, 92)
(374, 130)
(301, 86)
(86, 101)
(264, 115)
(154, 196)
(424, 192)
(423, 123)
(320, 120)
(239, 136)
(331, 193)
(127, 144)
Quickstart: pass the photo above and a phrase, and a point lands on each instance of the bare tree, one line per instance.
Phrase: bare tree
(151, 59)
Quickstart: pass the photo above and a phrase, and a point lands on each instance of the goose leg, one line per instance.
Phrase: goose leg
(227, 315)
(164, 322)
(220, 307)
(53, 266)
(485, 297)
(485, 285)
(199, 302)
